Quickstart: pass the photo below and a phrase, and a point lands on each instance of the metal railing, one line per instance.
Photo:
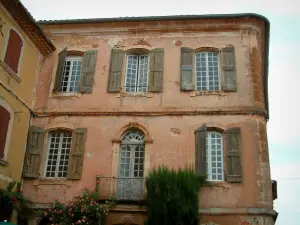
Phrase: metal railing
(130, 189)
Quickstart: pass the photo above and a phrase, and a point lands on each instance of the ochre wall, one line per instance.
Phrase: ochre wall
(17, 94)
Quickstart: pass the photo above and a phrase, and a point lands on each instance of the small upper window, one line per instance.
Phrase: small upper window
(207, 71)
(71, 74)
(136, 79)
(214, 156)
(58, 154)
(75, 71)
(13, 51)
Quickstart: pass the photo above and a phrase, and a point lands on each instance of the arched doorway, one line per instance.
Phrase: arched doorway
(130, 183)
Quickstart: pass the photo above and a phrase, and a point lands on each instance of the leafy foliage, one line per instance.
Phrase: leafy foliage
(82, 209)
(172, 196)
(11, 198)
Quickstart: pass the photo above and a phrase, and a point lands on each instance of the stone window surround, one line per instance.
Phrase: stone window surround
(43, 180)
(145, 50)
(195, 93)
(116, 141)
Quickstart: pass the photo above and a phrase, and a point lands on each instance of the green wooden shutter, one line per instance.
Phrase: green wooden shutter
(77, 153)
(87, 71)
(228, 69)
(233, 155)
(200, 151)
(187, 69)
(156, 70)
(33, 153)
(60, 69)
(115, 73)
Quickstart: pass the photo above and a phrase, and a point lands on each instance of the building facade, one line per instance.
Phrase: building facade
(22, 47)
(121, 96)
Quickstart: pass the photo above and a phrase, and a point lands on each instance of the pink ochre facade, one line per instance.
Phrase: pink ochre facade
(166, 59)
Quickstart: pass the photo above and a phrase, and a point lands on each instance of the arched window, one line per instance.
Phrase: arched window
(13, 51)
(207, 71)
(131, 165)
(4, 123)
(58, 154)
(214, 156)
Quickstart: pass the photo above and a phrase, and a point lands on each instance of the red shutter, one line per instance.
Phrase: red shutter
(13, 51)
(4, 120)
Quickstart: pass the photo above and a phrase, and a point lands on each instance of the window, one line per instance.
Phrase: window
(4, 122)
(136, 73)
(143, 71)
(71, 74)
(131, 169)
(214, 156)
(207, 71)
(58, 154)
(75, 71)
(13, 51)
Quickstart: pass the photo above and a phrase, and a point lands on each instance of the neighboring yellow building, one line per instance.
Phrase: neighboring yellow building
(22, 47)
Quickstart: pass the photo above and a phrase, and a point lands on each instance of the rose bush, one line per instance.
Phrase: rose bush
(82, 209)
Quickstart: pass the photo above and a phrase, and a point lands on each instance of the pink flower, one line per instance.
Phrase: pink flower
(72, 215)
(78, 221)
(45, 214)
(14, 199)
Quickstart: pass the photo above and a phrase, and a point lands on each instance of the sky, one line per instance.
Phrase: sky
(284, 16)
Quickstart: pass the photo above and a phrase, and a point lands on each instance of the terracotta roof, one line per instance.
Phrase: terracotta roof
(29, 25)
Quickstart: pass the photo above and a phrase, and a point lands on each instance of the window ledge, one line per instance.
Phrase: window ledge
(52, 181)
(9, 71)
(3, 162)
(223, 184)
(135, 94)
(207, 93)
(66, 94)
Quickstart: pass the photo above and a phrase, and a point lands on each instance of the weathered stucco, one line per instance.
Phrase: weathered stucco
(170, 117)
(17, 93)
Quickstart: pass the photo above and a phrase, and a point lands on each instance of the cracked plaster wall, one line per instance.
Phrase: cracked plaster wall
(173, 137)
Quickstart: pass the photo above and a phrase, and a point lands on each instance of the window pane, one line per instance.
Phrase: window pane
(58, 154)
(214, 152)
(207, 68)
(71, 75)
(143, 74)
(131, 73)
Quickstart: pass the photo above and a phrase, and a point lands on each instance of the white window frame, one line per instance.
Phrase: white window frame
(72, 59)
(207, 71)
(209, 157)
(137, 73)
(136, 139)
(58, 154)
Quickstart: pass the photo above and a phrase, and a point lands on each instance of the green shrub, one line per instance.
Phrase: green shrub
(172, 197)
